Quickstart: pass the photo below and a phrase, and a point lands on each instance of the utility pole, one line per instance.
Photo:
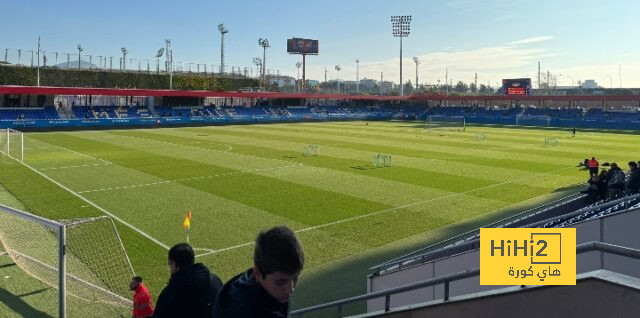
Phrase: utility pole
(538, 74)
(446, 80)
(417, 61)
(357, 76)
(38, 60)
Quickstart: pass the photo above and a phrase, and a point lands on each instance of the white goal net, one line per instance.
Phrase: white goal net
(381, 160)
(311, 151)
(12, 143)
(83, 258)
(446, 122)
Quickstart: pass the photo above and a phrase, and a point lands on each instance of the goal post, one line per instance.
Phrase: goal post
(82, 258)
(12, 143)
(311, 151)
(446, 122)
(381, 160)
(56, 248)
(533, 120)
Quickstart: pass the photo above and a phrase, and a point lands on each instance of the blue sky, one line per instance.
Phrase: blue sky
(584, 39)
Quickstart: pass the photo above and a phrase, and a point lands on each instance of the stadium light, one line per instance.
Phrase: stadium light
(223, 31)
(158, 56)
(258, 62)
(417, 61)
(264, 43)
(338, 68)
(80, 49)
(124, 57)
(357, 76)
(401, 27)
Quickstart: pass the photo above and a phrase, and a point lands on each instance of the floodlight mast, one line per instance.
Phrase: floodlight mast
(223, 31)
(338, 68)
(80, 49)
(401, 27)
(264, 43)
(258, 62)
(124, 57)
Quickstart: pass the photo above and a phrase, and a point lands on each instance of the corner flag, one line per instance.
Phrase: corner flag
(187, 221)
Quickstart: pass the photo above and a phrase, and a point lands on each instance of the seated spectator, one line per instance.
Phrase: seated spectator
(615, 186)
(264, 290)
(633, 183)
(192, 288)
(593, 191)
(602, 184)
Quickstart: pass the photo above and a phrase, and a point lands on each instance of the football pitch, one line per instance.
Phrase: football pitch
(348, 213)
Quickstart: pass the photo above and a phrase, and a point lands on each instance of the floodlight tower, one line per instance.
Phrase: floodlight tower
(158, 56)
(338, 68)
(223, 31)
(169, 62)
(401, 27)
(417, 61)
(258, 62)
(80, 49)
(264, 43)
(124, 57)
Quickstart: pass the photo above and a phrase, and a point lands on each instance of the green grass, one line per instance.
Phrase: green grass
(237, 180)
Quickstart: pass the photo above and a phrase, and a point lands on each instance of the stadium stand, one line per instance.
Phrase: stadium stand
(443, 279)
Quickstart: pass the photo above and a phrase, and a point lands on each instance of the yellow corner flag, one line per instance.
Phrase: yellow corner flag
(187, 221)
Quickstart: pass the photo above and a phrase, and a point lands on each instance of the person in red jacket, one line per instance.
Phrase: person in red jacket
(142, 305)
(593, 166)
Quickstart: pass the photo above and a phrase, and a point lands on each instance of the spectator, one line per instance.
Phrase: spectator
(264, 290)
(602, 184)
(192, 288)
(633, 183)
(142, 305)
(593, 191)
(593, 166)
(615, 186)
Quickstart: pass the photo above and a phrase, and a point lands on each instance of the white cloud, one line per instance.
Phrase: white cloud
(535, 39)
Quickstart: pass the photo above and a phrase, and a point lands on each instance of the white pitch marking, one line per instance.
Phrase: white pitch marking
(105, 211)
(76, 166)
(393, 209)
(187, 179)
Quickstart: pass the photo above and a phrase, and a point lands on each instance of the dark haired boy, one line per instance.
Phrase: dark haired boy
(264, 290)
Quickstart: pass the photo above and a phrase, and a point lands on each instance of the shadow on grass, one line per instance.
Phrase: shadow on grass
(17, 305)
(347, 277)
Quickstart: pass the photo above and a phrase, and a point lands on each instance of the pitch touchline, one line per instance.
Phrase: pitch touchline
(393, 209)
(76, 166)
(189, 179)
(103, 210)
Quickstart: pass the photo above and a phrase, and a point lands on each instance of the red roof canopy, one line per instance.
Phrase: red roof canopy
(42, 90)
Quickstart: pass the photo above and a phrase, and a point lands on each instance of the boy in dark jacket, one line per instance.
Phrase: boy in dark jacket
(633, 183)
(192, 288)
(264, 290)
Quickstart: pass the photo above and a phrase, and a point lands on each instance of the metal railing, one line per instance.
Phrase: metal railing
(76, 61)
(448, 279)
(441, 245)
(421, 259)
